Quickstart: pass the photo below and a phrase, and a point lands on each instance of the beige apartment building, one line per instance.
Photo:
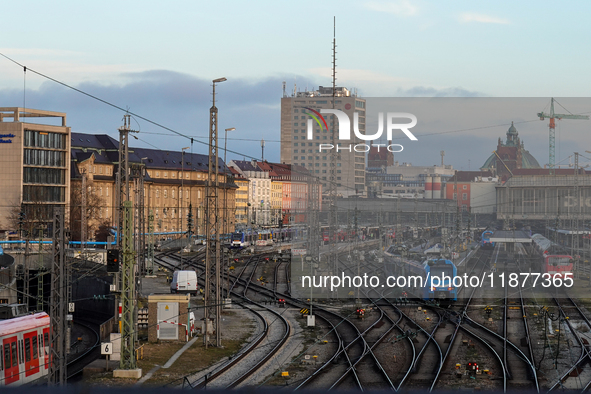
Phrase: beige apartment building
(241, 200)
(298, 149)
(174, 181)
(35, 167)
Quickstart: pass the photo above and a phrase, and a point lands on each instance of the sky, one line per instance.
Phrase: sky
(158, 62)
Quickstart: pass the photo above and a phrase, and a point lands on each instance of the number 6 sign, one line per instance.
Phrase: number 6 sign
(106, 348)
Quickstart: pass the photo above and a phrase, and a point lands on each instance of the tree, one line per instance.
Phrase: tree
(94, 204)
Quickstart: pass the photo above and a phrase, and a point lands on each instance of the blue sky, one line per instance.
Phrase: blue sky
(158, 59)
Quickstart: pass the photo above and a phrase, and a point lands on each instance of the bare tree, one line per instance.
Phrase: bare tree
(94, 204)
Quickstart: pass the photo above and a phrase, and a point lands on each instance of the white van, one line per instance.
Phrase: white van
(184, 282)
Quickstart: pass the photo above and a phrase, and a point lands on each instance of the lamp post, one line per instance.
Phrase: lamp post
(212, 299)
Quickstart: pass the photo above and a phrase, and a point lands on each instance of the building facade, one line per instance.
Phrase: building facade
(174, 184)
(474, 191)
(407, 181)
(35, 166)
(312, 152)
(259, 196)
(242, 193)
(536, 195)
(509, 156)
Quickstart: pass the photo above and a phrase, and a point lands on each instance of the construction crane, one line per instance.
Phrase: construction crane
(552, 127)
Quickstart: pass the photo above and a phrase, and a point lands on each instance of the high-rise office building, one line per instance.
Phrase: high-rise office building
(315, 153)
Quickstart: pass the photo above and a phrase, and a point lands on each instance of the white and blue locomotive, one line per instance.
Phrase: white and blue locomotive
(436, 275)
(485, 242)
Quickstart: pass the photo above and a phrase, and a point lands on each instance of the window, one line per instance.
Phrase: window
(172, 193)
(455, 196)
(100, 169)
(165, 174)
(158, 173)
(35, 354)
(165, 193)
(157, 193)
(27, 349)
(464, 196)
(7, 355)
(14, 355)
(107, 194)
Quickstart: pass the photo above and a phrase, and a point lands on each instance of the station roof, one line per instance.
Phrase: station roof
(510, 236)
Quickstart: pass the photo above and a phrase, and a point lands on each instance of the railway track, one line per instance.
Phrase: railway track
(265, 346)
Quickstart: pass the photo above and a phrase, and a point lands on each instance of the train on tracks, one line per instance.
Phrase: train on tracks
(552, 258)
(24, 352)
(264, 237)
(436, 275)
(485, 242)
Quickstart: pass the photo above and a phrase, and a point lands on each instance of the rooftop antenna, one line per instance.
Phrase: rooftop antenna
(333, 262)
(262, 150)
(442, 153)
(284, 94)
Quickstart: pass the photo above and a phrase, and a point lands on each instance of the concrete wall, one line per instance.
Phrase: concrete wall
(483, 197)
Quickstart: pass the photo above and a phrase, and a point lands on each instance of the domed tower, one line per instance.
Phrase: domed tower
(512, 155)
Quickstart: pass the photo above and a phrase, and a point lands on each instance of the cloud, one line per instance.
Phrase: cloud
(423, 91)
(467, 17)
(178, 101)
(399, 7)
(355, 75)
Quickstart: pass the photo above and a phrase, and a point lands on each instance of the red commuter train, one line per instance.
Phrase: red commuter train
(555, 260)
(24, 355)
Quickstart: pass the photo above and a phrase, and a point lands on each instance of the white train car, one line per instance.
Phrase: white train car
(24, 352)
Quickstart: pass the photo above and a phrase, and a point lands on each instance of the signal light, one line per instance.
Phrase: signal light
(113, 260)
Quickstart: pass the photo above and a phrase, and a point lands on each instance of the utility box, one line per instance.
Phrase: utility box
(168, 317)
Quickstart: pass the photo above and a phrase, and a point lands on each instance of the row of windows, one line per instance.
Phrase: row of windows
(44, 193)
(42, 139)
(172, 193)
(44, 175)
(40, 157)
(30, 349)
(106, 169)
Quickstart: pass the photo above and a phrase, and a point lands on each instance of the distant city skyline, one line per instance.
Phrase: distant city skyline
(160, 64)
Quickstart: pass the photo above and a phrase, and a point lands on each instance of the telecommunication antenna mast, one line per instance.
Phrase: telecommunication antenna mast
(332, 184)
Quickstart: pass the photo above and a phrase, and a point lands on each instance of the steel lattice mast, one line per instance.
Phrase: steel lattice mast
(552, 129)
(212, 296)
(58, 303)
(125, 245)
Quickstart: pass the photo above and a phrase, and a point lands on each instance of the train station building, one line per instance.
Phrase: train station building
(44, 164)
(34, 158)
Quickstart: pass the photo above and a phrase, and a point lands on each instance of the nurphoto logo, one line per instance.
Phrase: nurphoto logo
(345, 129)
